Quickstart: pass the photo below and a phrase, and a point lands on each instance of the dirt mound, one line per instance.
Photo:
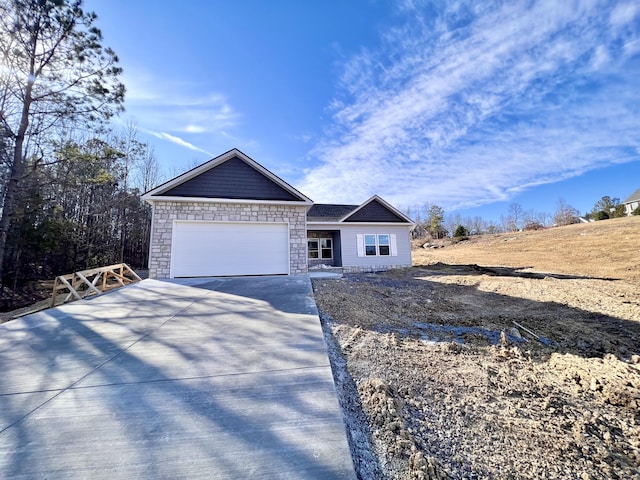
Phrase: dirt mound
(392, 438)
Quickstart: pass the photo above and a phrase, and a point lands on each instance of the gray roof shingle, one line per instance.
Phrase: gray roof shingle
(329, 212)
(635, 196)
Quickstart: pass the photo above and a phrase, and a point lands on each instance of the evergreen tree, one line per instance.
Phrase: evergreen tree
(607, 207)
(436, 221)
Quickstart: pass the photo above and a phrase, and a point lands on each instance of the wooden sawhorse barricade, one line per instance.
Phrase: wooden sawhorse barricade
(92, 282)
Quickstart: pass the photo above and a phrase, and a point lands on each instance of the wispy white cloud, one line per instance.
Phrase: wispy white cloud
(180, 107)
(476, 102)
(624, 13)
(175, 139)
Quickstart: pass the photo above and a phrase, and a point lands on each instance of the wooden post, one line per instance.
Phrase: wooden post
(55, 292)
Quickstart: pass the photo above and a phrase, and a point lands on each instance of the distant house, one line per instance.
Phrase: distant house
(631, 203)
(231, 216)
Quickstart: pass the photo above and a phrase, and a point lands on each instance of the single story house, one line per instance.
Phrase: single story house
(631, 203)
(231, 216)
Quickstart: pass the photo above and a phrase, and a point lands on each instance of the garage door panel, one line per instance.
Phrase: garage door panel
(223, 249)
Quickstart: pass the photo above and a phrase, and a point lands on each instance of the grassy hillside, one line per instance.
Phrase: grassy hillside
(604, 249)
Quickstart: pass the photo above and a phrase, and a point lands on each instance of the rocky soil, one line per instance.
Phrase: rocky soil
(492, 369)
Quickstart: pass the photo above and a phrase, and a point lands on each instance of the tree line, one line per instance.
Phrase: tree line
(432, 222)
(70, 185)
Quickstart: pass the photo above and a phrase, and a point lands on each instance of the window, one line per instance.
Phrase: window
(377, 245)
(383, 244)
(326, 249)
(370, 245)
(320, 248)
(312, 247)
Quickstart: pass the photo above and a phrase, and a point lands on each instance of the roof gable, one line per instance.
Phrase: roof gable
(232, 175)
(634, 197)
(377, 210)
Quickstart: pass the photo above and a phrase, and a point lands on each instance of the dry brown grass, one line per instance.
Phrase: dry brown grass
(605, 249)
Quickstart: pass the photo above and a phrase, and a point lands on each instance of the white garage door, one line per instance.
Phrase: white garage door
(209, 249)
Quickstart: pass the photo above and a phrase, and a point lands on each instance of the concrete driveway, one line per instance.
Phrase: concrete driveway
(207, 378)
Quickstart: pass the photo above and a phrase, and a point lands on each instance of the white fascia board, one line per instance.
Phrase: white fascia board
(148, 198)
(324, 224)
(355, 224)
(151, 199)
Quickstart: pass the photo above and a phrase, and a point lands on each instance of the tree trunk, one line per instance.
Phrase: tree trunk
(12, 191)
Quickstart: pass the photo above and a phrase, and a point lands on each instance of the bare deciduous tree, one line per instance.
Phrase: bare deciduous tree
(514, 218)
(565, 214)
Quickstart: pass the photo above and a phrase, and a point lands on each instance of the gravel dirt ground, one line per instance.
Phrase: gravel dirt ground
(505, 356)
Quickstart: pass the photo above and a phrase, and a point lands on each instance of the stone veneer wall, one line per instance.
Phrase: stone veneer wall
(372, 268)
(164, 213)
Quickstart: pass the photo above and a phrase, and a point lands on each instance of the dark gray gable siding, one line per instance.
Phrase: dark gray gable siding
(232, 179)
(375, 212)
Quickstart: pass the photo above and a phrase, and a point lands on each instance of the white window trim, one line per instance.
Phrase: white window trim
(361, 247)
(309, 257)
(319, 240)
(320, 248)
(375, 244)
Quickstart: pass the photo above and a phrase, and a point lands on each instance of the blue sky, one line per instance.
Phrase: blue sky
(469, 105)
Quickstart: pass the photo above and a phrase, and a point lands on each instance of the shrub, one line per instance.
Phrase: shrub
(533, 226)
(636, 211)
(460, 232)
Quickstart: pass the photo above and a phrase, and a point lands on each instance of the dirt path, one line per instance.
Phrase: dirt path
(451, 384)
